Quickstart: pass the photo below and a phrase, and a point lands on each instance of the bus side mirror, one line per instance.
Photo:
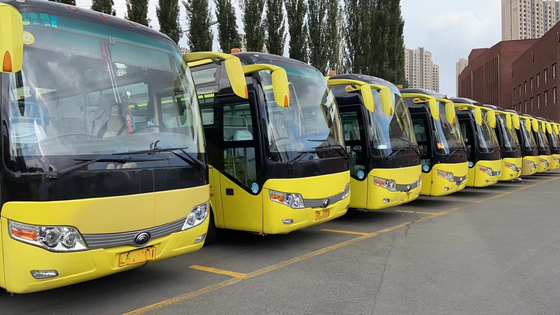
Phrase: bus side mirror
(450, 112)
(535, 125)
(491, 116)
(478, 116)
(516, 123)
(549, 128)
(11, 39)
(280, 85)
(234, 69)
(509, 121)
(434, 108)
(555, 128)
(367, 96)
(386, 98)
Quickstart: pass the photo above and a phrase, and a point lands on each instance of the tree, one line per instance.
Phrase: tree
(199, 34)
(253, 24)
(137, 11)
(355, 17)
(335, 35)
(103, 6)
(70, 2)
(227, 25)
(275, 27)
(316, 24)
(168, 16)
(296, 11)
(395, 47)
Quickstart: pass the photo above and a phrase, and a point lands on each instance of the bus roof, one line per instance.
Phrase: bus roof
(464, 100)
(259, 57)
(365, 78)
(423, 91)
(85, 14)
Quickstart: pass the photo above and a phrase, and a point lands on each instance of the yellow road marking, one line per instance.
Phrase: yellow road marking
(217, 286)
(344, 232)
(417, 212)
(219, 271)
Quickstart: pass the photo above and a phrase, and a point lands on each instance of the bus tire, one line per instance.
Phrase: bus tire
(213, 232)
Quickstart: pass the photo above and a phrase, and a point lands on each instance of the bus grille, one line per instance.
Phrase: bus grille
(318, 203)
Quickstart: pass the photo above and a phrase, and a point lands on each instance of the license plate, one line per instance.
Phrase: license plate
(321, 214)
(137, 256)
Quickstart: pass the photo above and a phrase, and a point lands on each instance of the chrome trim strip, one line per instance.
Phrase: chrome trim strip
(96, 241)
(318, 203)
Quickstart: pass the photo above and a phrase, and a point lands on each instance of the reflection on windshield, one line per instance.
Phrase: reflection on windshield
(487, 140)
(312, 120)
(542, 141)
(89, 89)
(529, 142)
(509, 137)
(448, 135)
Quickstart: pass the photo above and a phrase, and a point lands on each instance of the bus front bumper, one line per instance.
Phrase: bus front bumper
(485, 173)
(544, 163)
(74, 267)
(511, 168)
(445, 179)
(555, 162)
(530, 165)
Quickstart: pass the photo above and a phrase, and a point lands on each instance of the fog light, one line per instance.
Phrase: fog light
(386, 200)
(200, 238)
(287, 221)
(44, 274)
(446, 188)
(486, 181)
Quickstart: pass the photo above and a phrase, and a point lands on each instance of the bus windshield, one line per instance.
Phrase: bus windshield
(554, 141)
(448, 135)
(312, 120)
(390, 133)
(529, 142)
(542, 140)
(487, 140)
(510, 141)
(92, 90)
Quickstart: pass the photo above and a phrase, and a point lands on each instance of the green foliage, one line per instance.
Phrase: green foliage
(296, 10)
(137, 11)
(253, 24)
(227, 26)
(335, 36)
(103, 6)
(199, 34)
(317, 25)
(275, 27)
(168, 16)
(70, 2)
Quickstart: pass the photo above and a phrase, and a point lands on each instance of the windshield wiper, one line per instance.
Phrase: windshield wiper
(187, 157)
(190, 159)
(301, 155)
(86, 162)
(414, 147)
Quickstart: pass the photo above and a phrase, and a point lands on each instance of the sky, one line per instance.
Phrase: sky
(449, 29)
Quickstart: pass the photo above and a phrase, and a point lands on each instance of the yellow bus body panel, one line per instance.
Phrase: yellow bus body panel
(544, 163)
(530, 165)
(555, 162)
(507, 173)
(477, 178)
(433, 185)
(374, 194)
(95, 216)
(316, 187)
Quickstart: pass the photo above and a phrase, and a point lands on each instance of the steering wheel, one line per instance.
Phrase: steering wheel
(145, 127)
(67, 135)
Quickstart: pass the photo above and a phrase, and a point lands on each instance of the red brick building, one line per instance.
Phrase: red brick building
(487, 78)
(535, 77)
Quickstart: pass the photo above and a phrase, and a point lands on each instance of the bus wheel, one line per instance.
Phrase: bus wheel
(213, 232)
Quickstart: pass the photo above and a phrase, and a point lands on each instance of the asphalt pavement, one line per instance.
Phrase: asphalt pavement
(493, 250)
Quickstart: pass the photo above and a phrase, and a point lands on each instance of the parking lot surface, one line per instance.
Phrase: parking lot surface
(494, 250)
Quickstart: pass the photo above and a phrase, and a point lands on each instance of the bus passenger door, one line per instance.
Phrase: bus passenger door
(424, 135)
(239, 187)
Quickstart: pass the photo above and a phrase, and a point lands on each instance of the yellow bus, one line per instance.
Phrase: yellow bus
(551, 133)
(512, 156)
(384, 157)
(104, 166)
(528, 144)
(477, 126)
(443, 153)
(277, 158)
(539, 132)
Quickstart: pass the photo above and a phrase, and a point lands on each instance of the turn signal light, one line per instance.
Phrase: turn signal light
(7, 64)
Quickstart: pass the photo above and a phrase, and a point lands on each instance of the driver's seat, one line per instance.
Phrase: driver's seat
(115, 124)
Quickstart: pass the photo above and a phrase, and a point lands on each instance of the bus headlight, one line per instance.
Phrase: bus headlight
(511, 167)
(196, 217)
(294, 201)
(485, 169)
(388, 184)
(447, 175)
(52, 238)
(346, 191)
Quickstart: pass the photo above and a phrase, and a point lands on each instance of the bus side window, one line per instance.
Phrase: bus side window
(421, 132)
(239, 154)
(467, 134)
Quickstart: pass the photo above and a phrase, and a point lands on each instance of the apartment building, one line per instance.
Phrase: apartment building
(528, 19)
(459, 67)
(420, 71)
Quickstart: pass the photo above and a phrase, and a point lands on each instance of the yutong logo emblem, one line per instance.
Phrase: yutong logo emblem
(142, 238)
(326, 203)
